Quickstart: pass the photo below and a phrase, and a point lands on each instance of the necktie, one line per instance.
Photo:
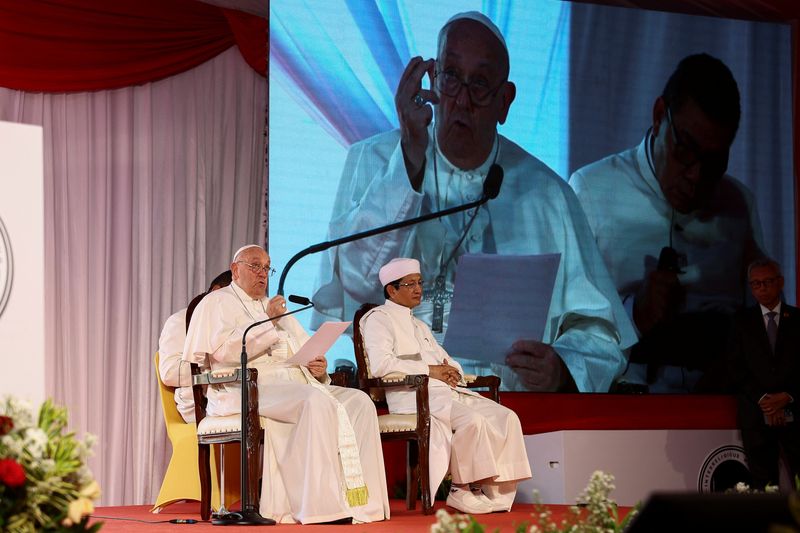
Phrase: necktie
(772, 329)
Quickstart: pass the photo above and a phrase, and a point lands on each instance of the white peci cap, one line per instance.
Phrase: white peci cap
(396, 269)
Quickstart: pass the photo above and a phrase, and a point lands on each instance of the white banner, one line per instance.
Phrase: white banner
(22, 262)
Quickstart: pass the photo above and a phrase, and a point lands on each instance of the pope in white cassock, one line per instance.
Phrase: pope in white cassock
(477, 440)
(322, 454)
(436, 162)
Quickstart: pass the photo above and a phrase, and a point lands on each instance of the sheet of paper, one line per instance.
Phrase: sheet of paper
(319, 344)
(498, 299)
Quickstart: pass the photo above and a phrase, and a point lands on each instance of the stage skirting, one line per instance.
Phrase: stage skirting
(648, 442)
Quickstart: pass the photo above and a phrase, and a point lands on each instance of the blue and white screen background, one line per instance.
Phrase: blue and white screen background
(586, 78)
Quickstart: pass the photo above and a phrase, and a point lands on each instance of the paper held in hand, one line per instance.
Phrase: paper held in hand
(498, 299)
(319, 344)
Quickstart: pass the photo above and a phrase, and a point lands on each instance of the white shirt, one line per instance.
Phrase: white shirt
(776, 310)
(535, 213)
(396, 341)
(631, 220)
(173, 370)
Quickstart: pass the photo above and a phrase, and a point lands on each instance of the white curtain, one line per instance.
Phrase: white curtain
(148, 190)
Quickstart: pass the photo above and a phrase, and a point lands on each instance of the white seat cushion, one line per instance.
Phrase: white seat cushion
(211, 425)
(394, 423)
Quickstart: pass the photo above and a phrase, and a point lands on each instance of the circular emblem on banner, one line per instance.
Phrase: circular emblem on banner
(723, 469)
(6, 267)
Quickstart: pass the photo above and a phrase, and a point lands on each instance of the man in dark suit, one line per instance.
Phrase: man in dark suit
(765, 365)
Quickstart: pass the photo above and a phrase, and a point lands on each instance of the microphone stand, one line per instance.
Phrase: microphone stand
(322, 246)
(249, 515)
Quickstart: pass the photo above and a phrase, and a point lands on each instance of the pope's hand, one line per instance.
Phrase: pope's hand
(415, 115)
(538, 366)
(276, 306)
(318, 367)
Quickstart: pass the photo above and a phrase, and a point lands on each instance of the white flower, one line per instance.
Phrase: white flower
(742, 487)
(35, 442)
(14, 446)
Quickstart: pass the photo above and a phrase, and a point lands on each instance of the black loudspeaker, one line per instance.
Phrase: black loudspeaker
(690, 512)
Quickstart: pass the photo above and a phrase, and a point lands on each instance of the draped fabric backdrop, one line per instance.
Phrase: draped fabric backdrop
(148, 190)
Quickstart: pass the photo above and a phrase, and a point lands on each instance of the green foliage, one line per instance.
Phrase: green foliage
(596, 512)
(57, 490)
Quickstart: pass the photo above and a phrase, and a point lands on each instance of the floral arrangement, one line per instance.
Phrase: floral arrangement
(45, 484)
(595, 512)
(744, 488)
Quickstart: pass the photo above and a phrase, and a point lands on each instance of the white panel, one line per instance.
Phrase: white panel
(642, 461)
(22, 262)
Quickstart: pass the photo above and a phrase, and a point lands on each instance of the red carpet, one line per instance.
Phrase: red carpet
(132, 518)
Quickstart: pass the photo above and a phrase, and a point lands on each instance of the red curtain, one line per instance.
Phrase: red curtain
(85, 45)
(785, 11)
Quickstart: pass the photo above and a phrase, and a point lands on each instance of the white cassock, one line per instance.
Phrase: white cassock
(321, 443)
(471, 436)
(631, 220)
(175, 372)
(535, 213)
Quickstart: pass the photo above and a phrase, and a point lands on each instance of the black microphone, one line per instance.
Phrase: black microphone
(668, 260)
(249, 514)
(491, 188)
(300, 300)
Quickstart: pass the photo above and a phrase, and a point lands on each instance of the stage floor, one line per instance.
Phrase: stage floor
(139, 518)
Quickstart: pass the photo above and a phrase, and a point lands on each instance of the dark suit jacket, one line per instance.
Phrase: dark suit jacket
(756, 370)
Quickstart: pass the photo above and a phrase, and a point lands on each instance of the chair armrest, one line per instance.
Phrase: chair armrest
(233, 375)
(488, 382)
(397, 379)
(340, 378)
(200, 380)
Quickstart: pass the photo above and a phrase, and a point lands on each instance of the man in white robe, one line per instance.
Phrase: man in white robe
(426, 166)
(671, 193)
(174, 371)
(323, 460)
(477, 440)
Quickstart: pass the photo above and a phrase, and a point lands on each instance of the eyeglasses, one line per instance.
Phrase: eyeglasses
(766, 282)
(711, 165)
(412, 284)
(480, 93)
(259, 269)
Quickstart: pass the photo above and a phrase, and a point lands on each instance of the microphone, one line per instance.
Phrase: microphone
(491, 189)
(491, 186)
(249, 514)
(668, 260)
(300, 300)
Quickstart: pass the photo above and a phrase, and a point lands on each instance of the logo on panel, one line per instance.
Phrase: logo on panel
(723, 469)
(6, 267)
